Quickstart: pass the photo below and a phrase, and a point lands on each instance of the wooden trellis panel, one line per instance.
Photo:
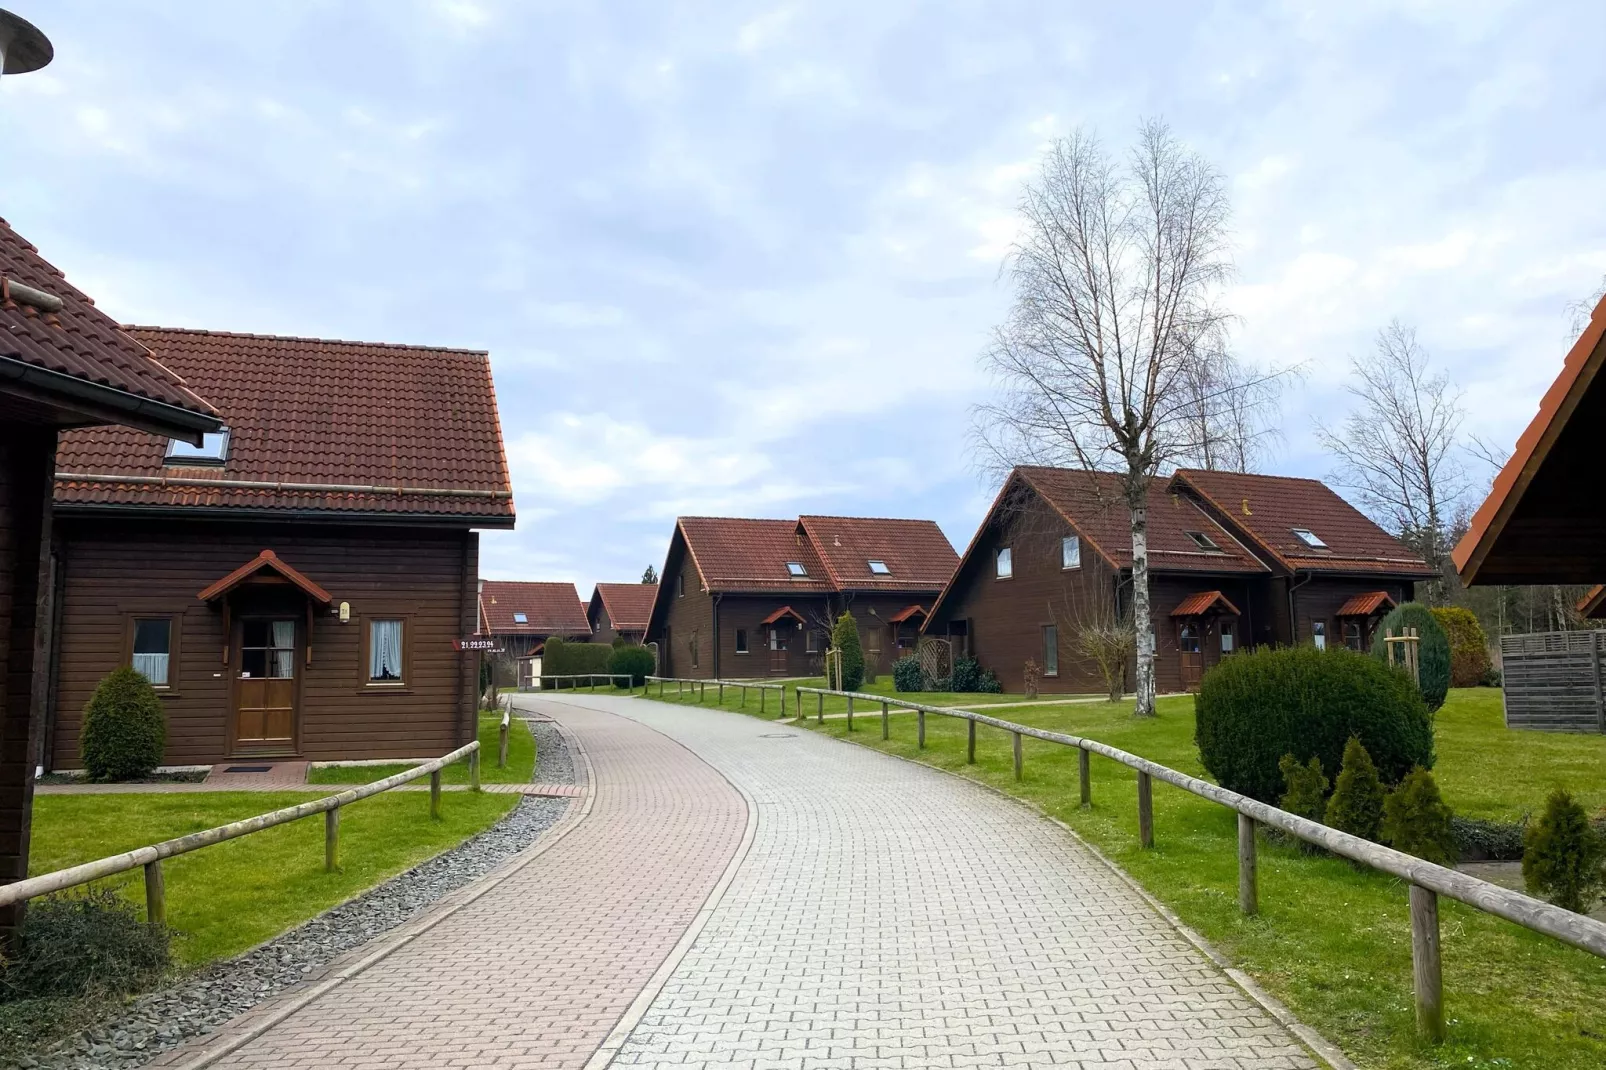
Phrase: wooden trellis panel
(1553, 681)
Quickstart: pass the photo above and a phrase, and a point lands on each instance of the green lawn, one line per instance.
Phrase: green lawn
(811, 703)
(1332, 942)
(520, 760)
(226, 898)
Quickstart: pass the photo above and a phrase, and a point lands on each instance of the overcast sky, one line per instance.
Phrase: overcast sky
(737, 259)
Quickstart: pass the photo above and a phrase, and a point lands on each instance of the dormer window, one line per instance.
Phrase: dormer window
(795, 568)
(214, 449)
(1310, 538)
(879, 568)
(521, 618)
(1204, 542)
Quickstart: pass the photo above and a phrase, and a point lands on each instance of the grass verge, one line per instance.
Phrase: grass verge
(811, 703)
(520, 760)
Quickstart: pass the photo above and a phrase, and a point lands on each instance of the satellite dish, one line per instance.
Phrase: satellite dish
(23, 47)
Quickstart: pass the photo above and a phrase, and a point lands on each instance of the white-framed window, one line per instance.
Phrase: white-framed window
(1004, 563)
(1204, 542)
(521, 618)
(795, 568)
(1051, 650)
(811, 642)
(1071, 552)
(1318, 634)
(680, 585)
(214, 449)
(1229, 636)
(879, 568)
(153, 649)
(1310, 538)
(741, 640)
(384, 651)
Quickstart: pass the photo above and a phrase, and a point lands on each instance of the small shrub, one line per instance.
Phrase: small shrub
(1469, 646)
(1304, 787)
(845, 637)
(125, 728)
(1493, 678)
(1416, 821)
(1480, 840)
(1357, 803)
(1563, 854)
(906, 674)
(987, 684)
(1259, 705)
(1433, 649)
(966, 675)
(86, 944)
(635, 660)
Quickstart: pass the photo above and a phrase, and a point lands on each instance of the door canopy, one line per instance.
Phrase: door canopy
(266, 562)
(1364, 605)
(784, 613)
(1205, 604)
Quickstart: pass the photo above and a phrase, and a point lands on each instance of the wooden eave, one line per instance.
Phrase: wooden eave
(270, 561)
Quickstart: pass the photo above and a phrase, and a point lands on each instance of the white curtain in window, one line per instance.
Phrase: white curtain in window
(385, 650)
(282, 665)
(153, 667)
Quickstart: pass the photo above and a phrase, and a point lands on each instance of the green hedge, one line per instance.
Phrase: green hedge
(1433, 652)
(1469, 646)
(636, 661)
(124, 728)
(562, 658)
(1257, 706)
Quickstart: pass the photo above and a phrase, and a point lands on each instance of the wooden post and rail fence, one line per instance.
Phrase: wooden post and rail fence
(1427, 881)
(590, 677)
(150, 858)
(699, 688)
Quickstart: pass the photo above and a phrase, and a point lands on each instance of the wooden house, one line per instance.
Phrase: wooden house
(620, 611)
(295, 585)
(522, 616)
(63, 364)
(1235, 561)
(742, 598)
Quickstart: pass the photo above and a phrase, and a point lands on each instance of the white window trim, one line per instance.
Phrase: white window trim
(999, 556)
(1065, 543)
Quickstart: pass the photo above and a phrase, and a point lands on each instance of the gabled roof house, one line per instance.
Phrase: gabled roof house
(1235, 561)
(294, 583)
(755, 598)
(620, 610)
(525, 614)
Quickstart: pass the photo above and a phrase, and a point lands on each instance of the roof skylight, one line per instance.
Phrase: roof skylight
(1204, 541)
(521, 618)
(214, 449)
(795, 568)
(1310, 538)
(879, 568)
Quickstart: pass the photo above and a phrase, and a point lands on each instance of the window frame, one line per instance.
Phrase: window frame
(1004, 557)
(1204, 542)
(1311, 540)
(1359, 625)
(518, 618)
(369, 686)
(797, 570)
(883, 570)
(1051, 650)
(741, 642)
(1074, 543)
(1227, 634)
(1318, 633)
(811, 641)
(174, 631)
(181, 460)
(680, 585)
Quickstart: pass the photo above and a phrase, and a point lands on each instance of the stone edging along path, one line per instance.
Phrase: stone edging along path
(199, 1002)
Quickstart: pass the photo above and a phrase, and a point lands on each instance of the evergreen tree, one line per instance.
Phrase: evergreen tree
(845, 637)
(1416, 821)
(1306, 786)
(1563, 855)
(1357, 803)
(650, 576)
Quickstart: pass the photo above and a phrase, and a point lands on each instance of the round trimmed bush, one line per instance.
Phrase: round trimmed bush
(1433, 652)
(637, 661)
(125, 728)
(1469, 646)
(906, 674)
(1257, 706)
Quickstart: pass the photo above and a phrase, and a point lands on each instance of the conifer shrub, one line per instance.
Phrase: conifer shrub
(636, 661)
(1304, 787)
(1563, 855)
(1433, 650)
(1416, 820)
(1357, 803)
(906, 674)
(1469, 646)
(124, 729)
(1255, 707)
(966, 675)
(845, 637)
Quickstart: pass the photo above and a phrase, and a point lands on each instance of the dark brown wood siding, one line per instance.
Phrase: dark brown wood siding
(602, 629)
(744, 613)
(1320, 597)
(690, 619)
(115, 570)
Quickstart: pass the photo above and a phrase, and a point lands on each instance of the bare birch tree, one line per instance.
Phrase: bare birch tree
(1228, 413)
(1398, 446)
(1117, 275)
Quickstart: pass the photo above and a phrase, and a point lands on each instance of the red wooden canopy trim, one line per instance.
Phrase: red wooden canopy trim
(267, 559)
(1593, 605)
(906, 613)
(784, 611)
(1203, 602)
(1364, 605)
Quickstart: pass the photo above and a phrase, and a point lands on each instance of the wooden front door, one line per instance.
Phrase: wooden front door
(1190, 655)
(265, 685)
(779, 639)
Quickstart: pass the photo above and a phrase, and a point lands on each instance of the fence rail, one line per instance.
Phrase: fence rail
(701, 688)
(592, 677)
(1427, 881)
(150, 858)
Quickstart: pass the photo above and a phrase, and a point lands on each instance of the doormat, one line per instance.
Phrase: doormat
(247, 768)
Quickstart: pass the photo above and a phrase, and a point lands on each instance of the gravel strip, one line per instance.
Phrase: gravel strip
(204, 1000)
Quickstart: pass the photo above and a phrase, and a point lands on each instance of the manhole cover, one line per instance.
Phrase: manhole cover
(779, 735)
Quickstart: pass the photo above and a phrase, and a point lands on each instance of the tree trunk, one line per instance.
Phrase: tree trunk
(1141, 618)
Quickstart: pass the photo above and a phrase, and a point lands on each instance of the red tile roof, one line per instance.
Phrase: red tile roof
(549, 609)
(784, 611)
(267, 559)
(314, 425)
(81, 341)
(1093, 504)
(918, 556)
(738, 554)
(1364, 605)
(1593, 605)
(628, 604)
(1201, 602)
(1267, 509)
(907, 613)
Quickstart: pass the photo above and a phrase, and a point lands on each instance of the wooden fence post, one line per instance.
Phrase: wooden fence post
(819, 714)
(850, 713)
(1084, 774)
(1145, 810)
(920, 729)
(1600, 693)
(1426, 972)
(331, 840)
(886, 726)
(473, 771)
(720, 693)
(970, 741)
(1248, 864)
(155, 894)
(744, 697)
(1019, 757)
(435, 795)
(501, 745)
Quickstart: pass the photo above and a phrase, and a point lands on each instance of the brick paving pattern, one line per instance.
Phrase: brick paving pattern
(536, 972)
(889, 915)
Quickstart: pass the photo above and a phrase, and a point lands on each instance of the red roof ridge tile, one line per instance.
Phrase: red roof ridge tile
(261, 337)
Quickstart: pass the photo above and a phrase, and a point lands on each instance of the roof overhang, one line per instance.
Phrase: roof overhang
(266, 561)
(1364, 605)
(783, 613)
(907, 613)
(85, 404)
(1205, 604)
(1593, 605)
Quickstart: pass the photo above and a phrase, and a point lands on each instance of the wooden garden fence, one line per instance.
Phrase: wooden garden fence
(590, 677)
(150, 858)
(1427, 881)
(700, 688)
(1554, 681)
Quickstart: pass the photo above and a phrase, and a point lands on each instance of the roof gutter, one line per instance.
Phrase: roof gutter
(256, 484)
(111, 404)
(255, 514)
